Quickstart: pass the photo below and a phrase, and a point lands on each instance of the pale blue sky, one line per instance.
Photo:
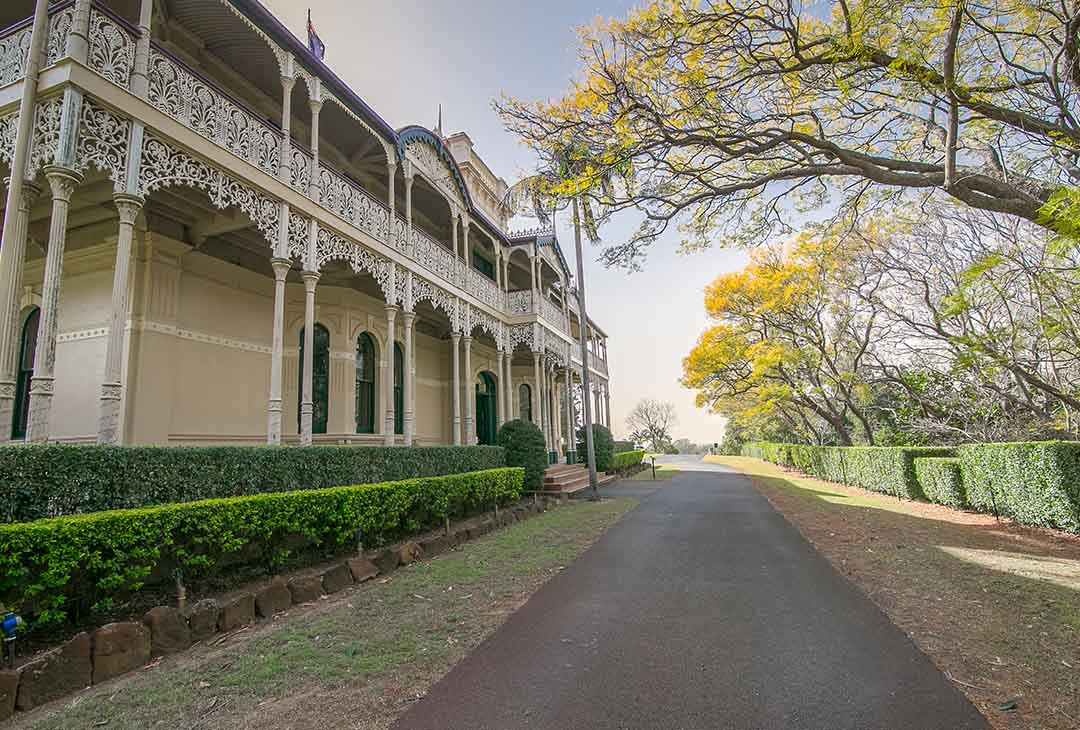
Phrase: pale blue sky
(405, 59)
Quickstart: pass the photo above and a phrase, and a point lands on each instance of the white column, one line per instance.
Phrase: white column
(534, 290)
(139, 82)
(273, 407)
(63, 182)
(470, 407)
(11, 272)
(391, 334)
(454, 238)
(112, 390)
(285, 169)
(538, 416)
(466, 253)
(307, 406)
(313, 182)
(571, 423)
(557, 409)
(407, 319)
(78, 40)
(455, 337)
(607, 406)
(407, 168)
(502, 387)
(391, 174)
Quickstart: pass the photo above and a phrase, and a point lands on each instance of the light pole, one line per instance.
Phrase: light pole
(583, 320)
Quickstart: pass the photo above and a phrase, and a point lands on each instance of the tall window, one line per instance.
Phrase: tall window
(482, 265)
(399, 388)
(486, 409)
(27, 346)
(525, 402)
(320, 379)
(365, 384)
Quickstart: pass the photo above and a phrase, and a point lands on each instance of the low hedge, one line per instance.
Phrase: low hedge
(52, 480)
(1036, 483)
(59, 569)
(624, 460)
(885, 469)
(940, 480)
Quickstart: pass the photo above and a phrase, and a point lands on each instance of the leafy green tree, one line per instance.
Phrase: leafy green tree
(525, 447)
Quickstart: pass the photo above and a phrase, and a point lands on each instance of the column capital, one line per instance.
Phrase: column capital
(408, 171)
(128, 206)
(408, 318)
(62, 181)
(467, 339)
(391, 165)
(315, 105)
(311, 278)
(288, 82)
(455, 336)
(391, 310)
(281, 267)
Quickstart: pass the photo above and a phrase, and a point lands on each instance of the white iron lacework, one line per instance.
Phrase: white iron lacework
(59, 28)
(400, 280)
(485, 322)
(8, 127)
(484, 289)
(46, 137)
(552, 313)
(334, 247)
(424, 291)
(352, 203)
(436, 169)
(199, 106)
(555, 348)
(112, 49)
(103, 142)
(300, 170)
(521, 334)
(298, 236)
(14, 50)
(432, 255)
(519, 302)
(164, 166)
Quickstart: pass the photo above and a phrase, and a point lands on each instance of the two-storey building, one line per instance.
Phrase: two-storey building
(210, 238)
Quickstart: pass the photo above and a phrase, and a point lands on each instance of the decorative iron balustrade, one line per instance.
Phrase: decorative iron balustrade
(351, 202)
(15, 43)
(484, 289)
(552, 313)
(433, 256)
(519, 302)
(112, 48)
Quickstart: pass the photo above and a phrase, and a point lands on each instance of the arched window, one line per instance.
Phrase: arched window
(320, 380)
(365, 383)
(399, 388)
(525, 402)
(27, 346)
(486, 409)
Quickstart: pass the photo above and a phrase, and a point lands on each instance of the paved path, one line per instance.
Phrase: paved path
(702, 609)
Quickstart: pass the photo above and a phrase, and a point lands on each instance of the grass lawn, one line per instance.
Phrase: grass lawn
(354, 660)
(663, 471)
(995, 605)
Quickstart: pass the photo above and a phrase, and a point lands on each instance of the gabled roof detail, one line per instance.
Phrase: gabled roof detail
(411, 136)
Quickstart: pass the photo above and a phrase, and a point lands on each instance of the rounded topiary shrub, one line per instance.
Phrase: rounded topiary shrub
(525, 447)
(603, 446)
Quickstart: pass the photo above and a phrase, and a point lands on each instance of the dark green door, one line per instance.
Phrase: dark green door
(365, 384)
(320, 380)
(399, 389)
(486, 409)
(27, 346)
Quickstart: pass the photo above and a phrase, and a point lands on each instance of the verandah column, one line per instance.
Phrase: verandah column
(13, 238)
(407, 320)
(470, 406)
(63, 182)
(14, 247)
(407, 168)
(571, 416)
(607, 406)
(455, 338)
(557, 410)
(501, 364)
(112, 389)
(538, 417)
(313, 182)
(273, 409)
(391, 333)
(287, 83)
(307, 405)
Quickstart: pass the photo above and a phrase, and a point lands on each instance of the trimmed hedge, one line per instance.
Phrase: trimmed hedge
(525, 446)
(52, 480)
(1036, 483)
(890, 470)
(624, 460)
(940, 480)
(57, 569)
(623, 446)
(603, 447)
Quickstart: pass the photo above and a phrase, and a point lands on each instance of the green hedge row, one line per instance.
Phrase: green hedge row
(889, 470)
(54, 480)
(624, 460)
(58, 569)
(940, 480)
(1035, 483)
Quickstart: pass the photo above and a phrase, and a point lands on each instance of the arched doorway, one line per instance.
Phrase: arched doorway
(525, 402)
(320, 379)
(399, 389)
(27, 346)
(486, 409)
(365, 383)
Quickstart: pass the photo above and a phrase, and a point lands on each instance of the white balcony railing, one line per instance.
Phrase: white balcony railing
(519, 302)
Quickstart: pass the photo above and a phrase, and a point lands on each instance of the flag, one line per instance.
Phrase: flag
(314, 42)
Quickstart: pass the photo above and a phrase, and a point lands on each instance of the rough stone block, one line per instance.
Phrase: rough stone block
(236, 612)
(410, 552)
(119, 648)
(56, 673)
(9, 688)
(337, 578)
(362, 569)
(436, 545)
(387, 560)
(169, 632)
(203, 619)
(305, 588)
(272, 598)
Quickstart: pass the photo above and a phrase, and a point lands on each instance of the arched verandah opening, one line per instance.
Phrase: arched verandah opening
(487, 408)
